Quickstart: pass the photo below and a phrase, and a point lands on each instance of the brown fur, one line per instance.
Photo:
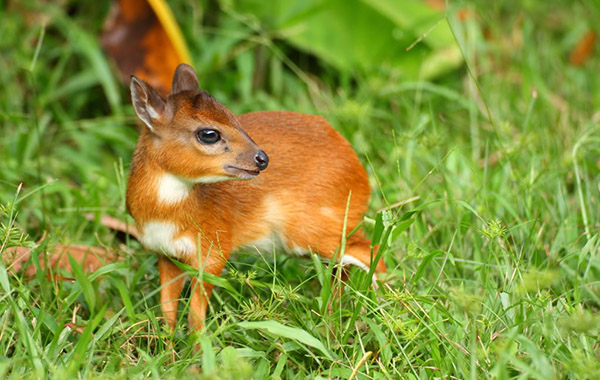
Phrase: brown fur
(301, 196)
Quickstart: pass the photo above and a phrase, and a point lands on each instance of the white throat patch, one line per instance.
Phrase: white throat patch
(172, 189)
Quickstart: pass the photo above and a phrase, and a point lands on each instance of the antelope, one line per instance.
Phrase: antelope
(202, 185)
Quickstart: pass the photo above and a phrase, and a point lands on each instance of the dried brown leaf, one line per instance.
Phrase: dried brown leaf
(139, 44)
(90, 258)
(16, 257)
(584, 49)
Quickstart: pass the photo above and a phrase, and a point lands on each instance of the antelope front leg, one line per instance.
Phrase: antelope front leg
(199, 303)
(201, 291)
(171, 281)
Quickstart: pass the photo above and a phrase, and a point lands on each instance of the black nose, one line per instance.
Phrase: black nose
(262, 160)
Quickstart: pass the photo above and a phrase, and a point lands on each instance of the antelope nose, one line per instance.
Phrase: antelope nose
(262, 160)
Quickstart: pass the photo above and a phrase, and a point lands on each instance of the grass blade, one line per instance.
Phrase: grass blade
(277, 329)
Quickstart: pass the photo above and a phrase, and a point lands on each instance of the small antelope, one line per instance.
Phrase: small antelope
(199, 186)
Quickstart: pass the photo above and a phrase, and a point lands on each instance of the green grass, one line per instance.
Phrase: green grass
(493, 273)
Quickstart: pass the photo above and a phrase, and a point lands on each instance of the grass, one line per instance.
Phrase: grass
(493, 272)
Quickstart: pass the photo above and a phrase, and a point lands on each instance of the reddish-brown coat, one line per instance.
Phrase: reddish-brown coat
(301, 196)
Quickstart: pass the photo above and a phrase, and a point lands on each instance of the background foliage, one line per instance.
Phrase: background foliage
(493, 271)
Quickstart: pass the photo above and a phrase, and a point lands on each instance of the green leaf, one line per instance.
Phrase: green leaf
(378, 230)
(85, 344)
(209, 360)
(46, 319)
(105, 327)
(399, 228)
(84, 282)
(368, 35)
(280, 366)
(108, 268)
(425, 263)
(87, 45)
(124, 292)
(323, 275)
(384, 346)
(4, 279)
(417, 17)
(297, 334)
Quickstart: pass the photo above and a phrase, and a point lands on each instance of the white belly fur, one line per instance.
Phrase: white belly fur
(275, 242)
(158, 236)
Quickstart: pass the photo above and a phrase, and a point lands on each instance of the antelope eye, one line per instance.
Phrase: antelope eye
(208, 136)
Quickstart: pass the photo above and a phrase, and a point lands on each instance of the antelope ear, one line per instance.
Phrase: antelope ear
(185, 79)
(148, 105)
